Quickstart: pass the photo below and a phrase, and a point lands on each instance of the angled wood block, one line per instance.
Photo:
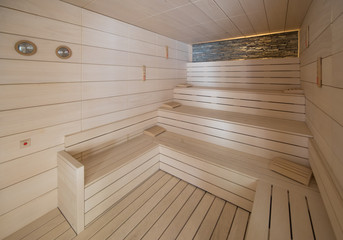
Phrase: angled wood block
(291, 170)
(184, 85)
(154, 131)
(171, 105)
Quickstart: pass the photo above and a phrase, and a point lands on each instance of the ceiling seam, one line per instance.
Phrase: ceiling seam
(265, 11)
(228, 17)
(247, 16)
(284, 26)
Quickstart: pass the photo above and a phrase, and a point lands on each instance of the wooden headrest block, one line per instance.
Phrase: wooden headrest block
(184, 85)
(154, 131)
(291, 170)
(294, 90)
(171, 105)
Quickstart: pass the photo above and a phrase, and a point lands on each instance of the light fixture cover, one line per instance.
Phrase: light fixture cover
(25, 47)
(63, 52)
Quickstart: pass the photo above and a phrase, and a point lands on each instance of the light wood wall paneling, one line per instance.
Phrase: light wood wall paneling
(71, 190)
(332, 70)
(40, 139)
(24, 215)
(290, 60)
(21, 120)
(259, 74)
(20, 193)
(331, 193)
(54, 9)
(33, 95)
(331, 36)
(117, 116)
(328, 135)
(327, 98)
(19, 169)
(73, 139)
(17, 22)
(49, 72)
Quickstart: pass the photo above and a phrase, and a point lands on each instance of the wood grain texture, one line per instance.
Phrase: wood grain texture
(71, 190)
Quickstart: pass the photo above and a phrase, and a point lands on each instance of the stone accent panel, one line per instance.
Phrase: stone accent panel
(267, 46)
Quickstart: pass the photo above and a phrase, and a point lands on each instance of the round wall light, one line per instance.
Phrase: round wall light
(25, 47)
(63, 52)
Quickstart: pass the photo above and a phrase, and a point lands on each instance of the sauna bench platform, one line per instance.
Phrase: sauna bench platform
(103, 162)
(248, 165)
(270, 123)
(240, 90)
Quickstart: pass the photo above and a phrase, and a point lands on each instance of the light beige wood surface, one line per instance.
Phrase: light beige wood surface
(266, 137)
(41, 94)
(71, 190)
(240, 167)
(171, 104)
(273, 74)
(264, 103)
(156, 209)
(154, 131)
(292, 170)
(330, 191)
(291, 215)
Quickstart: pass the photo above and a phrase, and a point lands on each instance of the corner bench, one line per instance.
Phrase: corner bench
(90, 187)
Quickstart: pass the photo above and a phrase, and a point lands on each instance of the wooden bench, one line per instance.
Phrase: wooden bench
(109, 171)
(280, 207)
(281, 213)
(102, 165)
(271, 103)
(263, 136)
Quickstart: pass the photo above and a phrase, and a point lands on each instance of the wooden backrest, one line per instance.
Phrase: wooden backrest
(277, 73)
(108, 135)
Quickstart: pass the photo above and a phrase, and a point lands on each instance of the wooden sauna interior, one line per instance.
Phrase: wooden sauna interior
(238, 148)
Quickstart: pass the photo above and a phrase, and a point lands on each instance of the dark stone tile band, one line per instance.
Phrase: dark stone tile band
(267, 46)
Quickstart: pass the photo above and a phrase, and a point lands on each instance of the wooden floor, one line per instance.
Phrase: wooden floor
(163, 207)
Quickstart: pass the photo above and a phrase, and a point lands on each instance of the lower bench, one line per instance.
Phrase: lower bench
(89, 188)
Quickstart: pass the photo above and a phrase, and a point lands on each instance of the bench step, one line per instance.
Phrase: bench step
(263, 136)
(280, 213)
(276, 104)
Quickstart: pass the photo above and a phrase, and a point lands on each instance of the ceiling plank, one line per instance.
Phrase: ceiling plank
(276, 14)
(296, 13)
(255, 11)
(235, 13)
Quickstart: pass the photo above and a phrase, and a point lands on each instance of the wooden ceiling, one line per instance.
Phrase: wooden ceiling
(193, 21)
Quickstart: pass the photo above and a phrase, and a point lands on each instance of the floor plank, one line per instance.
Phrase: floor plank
(182, 217)
(210, 221)
(226, 218)
(159, 227)
(239, 225)
(162, 207)
(197, 217)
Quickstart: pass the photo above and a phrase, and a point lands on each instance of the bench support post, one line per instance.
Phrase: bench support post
(71, 190)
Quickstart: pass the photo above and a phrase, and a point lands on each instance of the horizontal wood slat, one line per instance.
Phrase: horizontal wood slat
(250, 74)
(264, 103)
